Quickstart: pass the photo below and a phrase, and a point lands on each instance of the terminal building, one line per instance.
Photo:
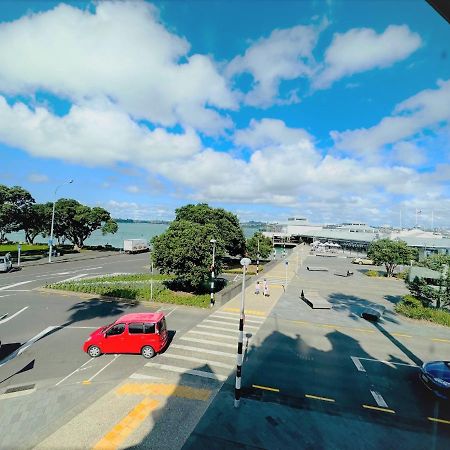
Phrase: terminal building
(355, 235)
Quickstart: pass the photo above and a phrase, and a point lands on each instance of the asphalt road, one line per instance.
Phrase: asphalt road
(327, 379)
(42, 334)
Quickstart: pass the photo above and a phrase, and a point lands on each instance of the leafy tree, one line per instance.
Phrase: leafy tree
(391, 254)
(185, 251)
(228, 229)
(14, 202)
(37, 220)
(265, 246)
(77, 222)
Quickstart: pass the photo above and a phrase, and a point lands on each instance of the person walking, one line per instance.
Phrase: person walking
(265, 288)
(257, 288)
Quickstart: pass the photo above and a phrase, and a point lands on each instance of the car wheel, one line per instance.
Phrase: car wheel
(360, 263)
(148, 352)
(94, 351)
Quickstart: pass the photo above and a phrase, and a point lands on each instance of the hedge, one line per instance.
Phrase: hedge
(413, 308)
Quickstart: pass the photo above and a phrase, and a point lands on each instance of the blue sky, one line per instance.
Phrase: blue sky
(331, 110)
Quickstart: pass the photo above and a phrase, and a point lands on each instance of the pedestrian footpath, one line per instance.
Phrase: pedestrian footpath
(177, 386)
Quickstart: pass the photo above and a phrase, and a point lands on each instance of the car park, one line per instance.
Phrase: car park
(435, 375)
(363, 261)
(144, 333)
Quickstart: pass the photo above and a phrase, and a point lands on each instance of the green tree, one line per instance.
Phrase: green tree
(37, 220)
(228, 229)
(391, 254)
(14, 203)
(185, 251)
(77, 222)
(265, 246)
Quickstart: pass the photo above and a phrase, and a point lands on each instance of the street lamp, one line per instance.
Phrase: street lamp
(213, 242)
(53, 220)
(257, 261)
(245, 262)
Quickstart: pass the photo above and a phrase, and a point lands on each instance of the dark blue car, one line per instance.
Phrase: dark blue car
(436, 377)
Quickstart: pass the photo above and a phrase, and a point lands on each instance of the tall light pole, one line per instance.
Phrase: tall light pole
(213, 270)
(53, 221)
(257, 260)
(245, 262)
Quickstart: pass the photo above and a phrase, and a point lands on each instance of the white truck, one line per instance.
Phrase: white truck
(5, 263)
(135, 245)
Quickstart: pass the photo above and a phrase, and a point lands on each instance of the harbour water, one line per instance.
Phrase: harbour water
(125, 231)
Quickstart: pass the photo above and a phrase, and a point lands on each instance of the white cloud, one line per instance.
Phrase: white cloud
(97, 135)
(285, 55)
(37, 178)
(361, 49)
(138, 211)
(120, 52)
(133, 189)
(408, 153)
(428, 108)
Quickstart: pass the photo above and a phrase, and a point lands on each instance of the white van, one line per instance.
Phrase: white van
(5, 264)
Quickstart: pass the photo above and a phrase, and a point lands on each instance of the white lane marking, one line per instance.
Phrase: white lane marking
(15, 284)
(7, 295)
(75, 371)
(207, 342)
(80, 328)
(102, 369)
(92, 268)
(202, 350)
(217, 328)
(63, 273)
(389, 363)
(20, 290)
(200, 361)
(139, 376)
(14, 315)
(226, 323)
(207, 333)
(358, 364)
(236, 319)
(27, 344)
(73, 278)
(379, 399)
(197, 373)
(2, 317)
(169, 313)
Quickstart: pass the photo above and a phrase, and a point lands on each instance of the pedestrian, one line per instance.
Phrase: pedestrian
(257, 288)
(265, 288)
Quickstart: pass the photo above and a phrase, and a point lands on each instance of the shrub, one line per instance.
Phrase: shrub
(413, 308)
(372, 273)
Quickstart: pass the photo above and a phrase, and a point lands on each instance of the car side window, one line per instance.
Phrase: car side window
(135, 328)
(116, 329)
(149, 328)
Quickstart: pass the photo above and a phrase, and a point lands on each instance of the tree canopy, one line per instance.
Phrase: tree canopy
(390, 253)
(37, 220)
(14, 204)
(77, 222)
(226, 223)
(265, 246)
(185, 251)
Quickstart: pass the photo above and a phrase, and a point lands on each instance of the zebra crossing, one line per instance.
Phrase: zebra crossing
(207, 351)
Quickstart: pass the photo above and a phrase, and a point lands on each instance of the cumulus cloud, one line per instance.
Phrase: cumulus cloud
(137, 211)
(121, 51)
(408, 153)
(133, 189)
(285, 55)
(428, 108)
(361, 49)
(92, 135)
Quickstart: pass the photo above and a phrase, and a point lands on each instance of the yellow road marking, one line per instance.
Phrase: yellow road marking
(127, 425)
(401, 335)
(86, 382)
(248, 311)
(434, 419)
(302, 322)
(376, 408)
(164, 390)
(315, 397)
(440, 340)
(265, 388)
(324, 325)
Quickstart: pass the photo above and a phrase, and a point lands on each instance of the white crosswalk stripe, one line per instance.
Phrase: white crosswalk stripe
(206, 333)
(198, 373)
(236, 319)
(207, 342)
(223, 323)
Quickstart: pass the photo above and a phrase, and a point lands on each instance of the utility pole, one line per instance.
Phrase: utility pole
(257, 261)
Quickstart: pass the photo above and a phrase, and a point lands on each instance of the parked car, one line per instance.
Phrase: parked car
(363, 261)
(5, 263)
(435, 375)
(144, 333)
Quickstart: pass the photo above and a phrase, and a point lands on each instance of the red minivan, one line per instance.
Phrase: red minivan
(144, 333)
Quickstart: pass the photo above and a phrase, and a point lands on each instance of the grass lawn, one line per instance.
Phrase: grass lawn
(5, 248)
(135, 287)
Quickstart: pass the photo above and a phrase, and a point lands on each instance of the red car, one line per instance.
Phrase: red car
(144, 333)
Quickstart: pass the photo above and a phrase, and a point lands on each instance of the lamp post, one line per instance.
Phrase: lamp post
(53, 221)
(245, 262)
(257, 261)
(213, 269)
